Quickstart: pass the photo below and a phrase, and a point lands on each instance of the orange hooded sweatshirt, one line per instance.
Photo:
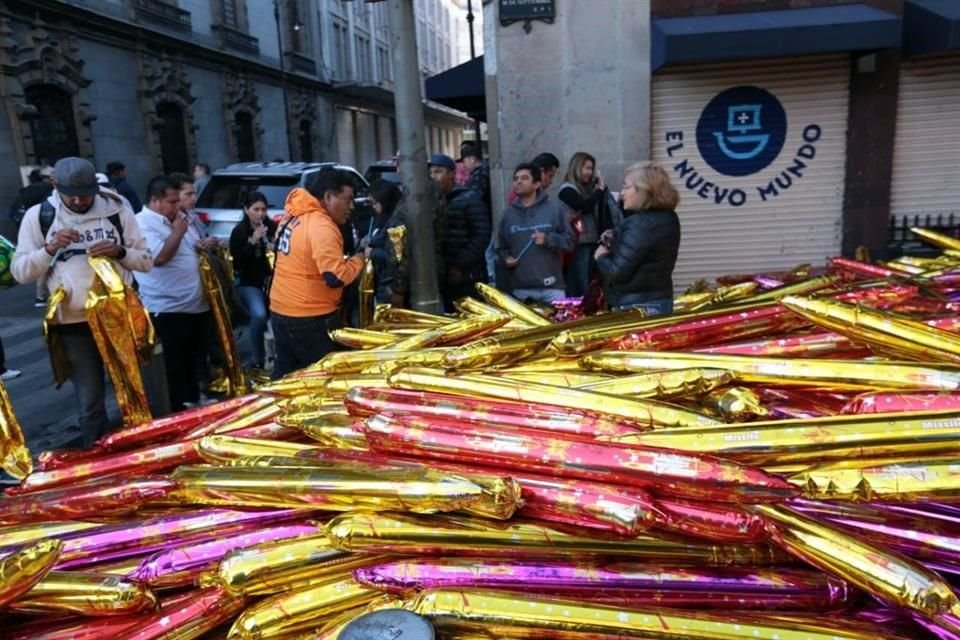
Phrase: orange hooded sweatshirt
(310, 270)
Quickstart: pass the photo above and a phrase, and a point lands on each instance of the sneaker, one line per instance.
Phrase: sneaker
(10, 374)
(40, 303)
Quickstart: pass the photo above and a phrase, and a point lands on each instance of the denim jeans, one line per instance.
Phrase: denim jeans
(87, 376)
(300, 342)
(256, 303)
(659, 307)
(546, 296)
(577, 274)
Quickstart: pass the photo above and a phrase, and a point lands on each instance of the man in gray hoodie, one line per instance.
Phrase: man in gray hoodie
(534, 234)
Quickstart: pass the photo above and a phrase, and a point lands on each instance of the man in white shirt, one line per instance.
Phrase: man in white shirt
(173, 292)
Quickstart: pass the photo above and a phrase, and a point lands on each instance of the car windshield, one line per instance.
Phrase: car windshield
(229, 192)
(382, 173)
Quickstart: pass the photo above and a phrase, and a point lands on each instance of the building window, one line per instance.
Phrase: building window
(53, 128)
(231, 16)
(243, 129)
(173, 140)
(383, 57)
(341, 51)
(363, 58)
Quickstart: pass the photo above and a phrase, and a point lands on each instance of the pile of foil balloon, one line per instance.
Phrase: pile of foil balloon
(776, 459)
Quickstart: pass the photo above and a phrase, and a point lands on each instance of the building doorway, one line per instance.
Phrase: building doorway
(243, 126)
(173, 140)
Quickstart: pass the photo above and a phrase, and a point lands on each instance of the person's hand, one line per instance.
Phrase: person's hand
(62, 239)
(207, 243)
(602, 250)
(539, 237)
(510, 262)
(606, 237)
(106, 248)
(367, 252)
(397, 301)
(364, 243)
(454, 275)
(180, 223)
(258, 233)
(601, 183)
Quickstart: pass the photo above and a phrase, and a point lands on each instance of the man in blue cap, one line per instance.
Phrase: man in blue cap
(468, 233)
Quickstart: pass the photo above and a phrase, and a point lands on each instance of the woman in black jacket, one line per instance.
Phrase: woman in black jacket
(636, 258)
(385, 196)
(249, 242)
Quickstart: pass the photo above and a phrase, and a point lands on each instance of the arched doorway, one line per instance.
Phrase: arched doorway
(246, 147)
(53, 127)
(173, 140)
(306, 141)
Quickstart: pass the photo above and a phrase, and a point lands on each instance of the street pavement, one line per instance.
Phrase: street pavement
(47, 415)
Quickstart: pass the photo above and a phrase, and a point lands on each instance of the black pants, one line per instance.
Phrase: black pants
(453, 292)
(299, 342)
(181, 335)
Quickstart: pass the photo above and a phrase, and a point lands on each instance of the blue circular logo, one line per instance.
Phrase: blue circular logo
(741, 131)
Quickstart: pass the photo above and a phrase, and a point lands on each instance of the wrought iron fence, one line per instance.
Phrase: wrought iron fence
(900, 241)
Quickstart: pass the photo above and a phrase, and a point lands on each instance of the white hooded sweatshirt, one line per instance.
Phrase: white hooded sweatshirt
(71, 269)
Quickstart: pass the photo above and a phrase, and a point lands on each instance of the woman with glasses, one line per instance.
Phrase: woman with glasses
(636, 258)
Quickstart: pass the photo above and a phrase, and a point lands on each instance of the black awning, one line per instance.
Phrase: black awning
(772, 34)
(461, 88)
(930, 26)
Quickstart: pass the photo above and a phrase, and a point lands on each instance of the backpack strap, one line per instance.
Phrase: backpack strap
(115, 221)
(47, 214)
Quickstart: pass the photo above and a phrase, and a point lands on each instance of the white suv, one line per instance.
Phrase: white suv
(220, 203)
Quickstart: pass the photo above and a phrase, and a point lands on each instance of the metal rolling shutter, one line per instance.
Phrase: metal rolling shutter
(800, 224)
(926, 158)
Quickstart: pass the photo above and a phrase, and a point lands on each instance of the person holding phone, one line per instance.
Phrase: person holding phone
(637, 257)
(249, 242)
(583, 192)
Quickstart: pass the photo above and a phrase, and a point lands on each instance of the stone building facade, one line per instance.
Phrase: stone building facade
(163, 84)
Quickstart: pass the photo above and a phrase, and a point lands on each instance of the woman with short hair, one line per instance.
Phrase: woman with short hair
(637, 257)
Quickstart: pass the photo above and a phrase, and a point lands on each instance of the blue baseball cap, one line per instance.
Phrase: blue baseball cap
(441, 160)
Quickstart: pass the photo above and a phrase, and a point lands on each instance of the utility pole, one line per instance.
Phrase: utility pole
(424, 293)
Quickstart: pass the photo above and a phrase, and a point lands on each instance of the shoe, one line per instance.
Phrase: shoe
(40, 303)
(10, 374)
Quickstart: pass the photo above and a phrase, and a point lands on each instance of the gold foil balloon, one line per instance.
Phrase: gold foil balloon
(892, 578)
(511, 305)
(852, 374)
(299, 610)
(663, 384)
(643, 413)
(462, 536)
(86, 594)
(15, 457)
(25, 566)
(213, 286)
(124, 336)
(884, 332)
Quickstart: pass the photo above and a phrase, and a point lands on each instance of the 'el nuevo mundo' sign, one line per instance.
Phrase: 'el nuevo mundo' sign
(741, 133)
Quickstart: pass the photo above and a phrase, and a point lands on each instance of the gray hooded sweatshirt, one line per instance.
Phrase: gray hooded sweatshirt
(541, 266)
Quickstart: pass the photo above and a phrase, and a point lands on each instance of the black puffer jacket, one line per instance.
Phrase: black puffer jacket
(468, 232)
(639, 266)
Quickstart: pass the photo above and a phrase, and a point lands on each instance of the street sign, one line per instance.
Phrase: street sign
(526, 10)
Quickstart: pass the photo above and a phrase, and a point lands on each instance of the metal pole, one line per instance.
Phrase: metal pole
(473, 54)
(283, 81)
(424, 294)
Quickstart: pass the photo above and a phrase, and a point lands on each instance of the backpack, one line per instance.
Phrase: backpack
(48, 212)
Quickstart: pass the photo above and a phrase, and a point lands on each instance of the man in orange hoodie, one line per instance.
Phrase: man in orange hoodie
(311, 270)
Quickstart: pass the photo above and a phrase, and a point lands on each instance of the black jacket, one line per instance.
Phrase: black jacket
(468, 233)
(127, 191)
(640, 264)
(250, 261)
